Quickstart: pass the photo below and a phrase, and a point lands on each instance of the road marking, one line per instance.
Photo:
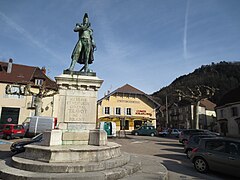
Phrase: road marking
(4, 142)
(139, 142)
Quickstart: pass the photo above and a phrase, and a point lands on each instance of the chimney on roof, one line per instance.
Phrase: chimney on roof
(44, 70)
(9, 68)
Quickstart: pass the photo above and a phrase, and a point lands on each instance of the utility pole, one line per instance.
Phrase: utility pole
(166, 111)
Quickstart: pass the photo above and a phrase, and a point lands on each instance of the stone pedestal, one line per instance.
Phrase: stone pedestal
(98, 137)
(76, 107)
(52, 138)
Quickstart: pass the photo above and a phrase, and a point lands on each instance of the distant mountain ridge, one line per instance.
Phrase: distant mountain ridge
(224, 76)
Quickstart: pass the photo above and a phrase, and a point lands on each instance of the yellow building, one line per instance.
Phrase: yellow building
(16, 103)
(128, 107)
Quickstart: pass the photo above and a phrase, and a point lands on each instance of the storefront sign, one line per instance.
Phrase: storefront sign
(143, 112)
(128, 101)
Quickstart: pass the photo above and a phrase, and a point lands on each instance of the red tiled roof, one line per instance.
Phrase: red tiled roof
(22, 74)
(207, 104)
(129, 90)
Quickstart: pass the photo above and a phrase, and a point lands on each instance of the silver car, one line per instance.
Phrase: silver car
(219, 154)
(194, 142)
(185, 134)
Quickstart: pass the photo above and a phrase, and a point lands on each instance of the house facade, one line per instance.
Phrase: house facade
(16, 103)
(228, 113)
(128, 107)
(180, 114)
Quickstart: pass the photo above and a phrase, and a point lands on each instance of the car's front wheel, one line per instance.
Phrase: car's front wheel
(152, 134)
(136, 133)
(200, 165)
(8, 137)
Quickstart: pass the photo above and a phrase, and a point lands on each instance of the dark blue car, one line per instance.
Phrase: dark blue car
(19, 146)
(145, 130)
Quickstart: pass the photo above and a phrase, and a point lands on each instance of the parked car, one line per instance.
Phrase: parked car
(165, 132)
(1, 130)
(219, 154)
(9, 131)
(145, 130)
(19, 146)
(39, 124)
(194, 142)
(186, 134)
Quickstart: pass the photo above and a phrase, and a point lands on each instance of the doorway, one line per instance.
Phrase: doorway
(9, 115)
(137, 124)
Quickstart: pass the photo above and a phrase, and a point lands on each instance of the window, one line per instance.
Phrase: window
(233, 148)
(118, 111)
(129, 111)
(38, 82)
(221, 113)
(18, 127)
(180, 117)
(234, 111)
(218, 146)
(7, 127)
(107, 110)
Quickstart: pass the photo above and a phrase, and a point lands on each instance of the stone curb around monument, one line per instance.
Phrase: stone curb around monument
(143, 167)
(20, 162)
(8, 172)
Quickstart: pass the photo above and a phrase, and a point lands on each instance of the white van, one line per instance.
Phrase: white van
(110, 128)
(39, 124)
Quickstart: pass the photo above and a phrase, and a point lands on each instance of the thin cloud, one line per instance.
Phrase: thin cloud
(185, 32)
(27, 35)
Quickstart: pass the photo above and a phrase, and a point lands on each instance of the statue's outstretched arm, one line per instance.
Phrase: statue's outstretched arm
(77, 28)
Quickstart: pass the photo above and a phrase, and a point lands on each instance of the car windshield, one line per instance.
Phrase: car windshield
(37, 136)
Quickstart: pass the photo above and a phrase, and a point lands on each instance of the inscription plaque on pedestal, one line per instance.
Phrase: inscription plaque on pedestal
(76, 105)
(77, 109)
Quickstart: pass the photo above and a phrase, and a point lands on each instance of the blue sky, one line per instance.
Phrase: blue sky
(145, 43)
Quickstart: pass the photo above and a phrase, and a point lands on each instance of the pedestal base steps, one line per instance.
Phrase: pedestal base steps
(90, 162)
(72, 153)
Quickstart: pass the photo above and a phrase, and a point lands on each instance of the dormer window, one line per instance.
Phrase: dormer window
(39, 82)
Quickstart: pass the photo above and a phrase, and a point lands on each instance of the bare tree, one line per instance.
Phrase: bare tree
(196, 95)
(43, 92)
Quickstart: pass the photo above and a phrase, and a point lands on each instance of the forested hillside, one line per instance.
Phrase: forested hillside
(223, 76)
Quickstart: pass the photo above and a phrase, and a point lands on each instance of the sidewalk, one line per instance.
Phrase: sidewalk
(151, 169)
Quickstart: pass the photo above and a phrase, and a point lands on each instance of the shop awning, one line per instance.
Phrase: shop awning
(127, 117)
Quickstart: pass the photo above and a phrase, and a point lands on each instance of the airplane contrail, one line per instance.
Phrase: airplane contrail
(185, 31)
